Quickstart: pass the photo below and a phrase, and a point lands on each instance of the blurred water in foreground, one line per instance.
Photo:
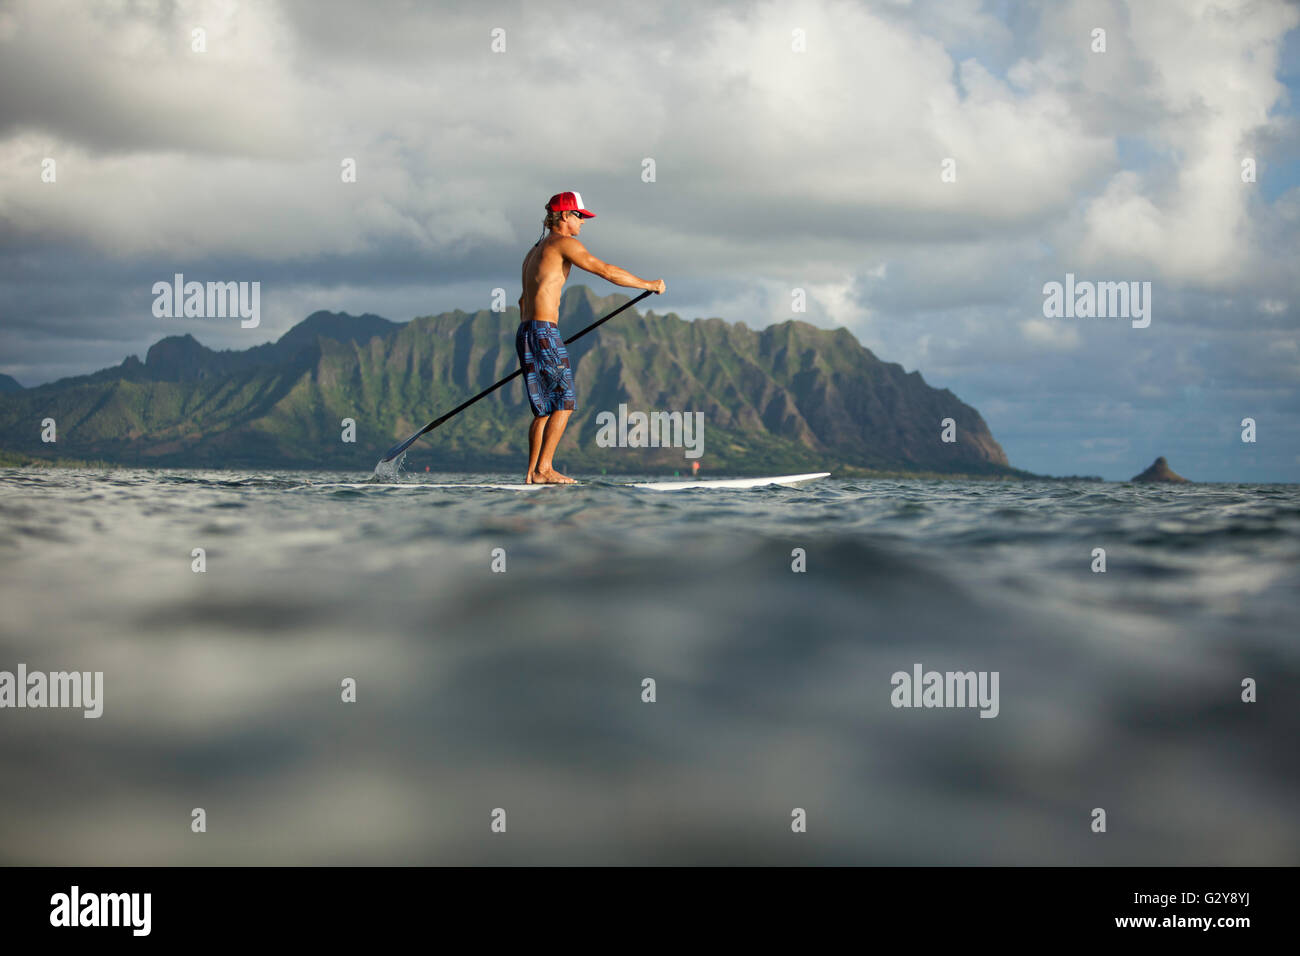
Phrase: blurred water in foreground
(522, 690)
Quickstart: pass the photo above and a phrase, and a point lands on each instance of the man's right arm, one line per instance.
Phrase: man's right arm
(575, 252)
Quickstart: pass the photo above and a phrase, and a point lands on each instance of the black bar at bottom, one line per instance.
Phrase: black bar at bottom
(336, 904)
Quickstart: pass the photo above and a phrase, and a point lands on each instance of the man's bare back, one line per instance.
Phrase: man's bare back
(546, 267)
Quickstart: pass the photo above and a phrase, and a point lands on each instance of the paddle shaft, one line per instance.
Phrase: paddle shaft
(399, 448)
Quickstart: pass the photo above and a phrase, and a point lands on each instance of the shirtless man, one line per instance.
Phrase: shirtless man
(548, 379)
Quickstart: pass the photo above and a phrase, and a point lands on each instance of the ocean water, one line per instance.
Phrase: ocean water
(522, 690)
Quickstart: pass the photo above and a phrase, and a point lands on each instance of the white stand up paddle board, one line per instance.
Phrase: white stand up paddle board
(730, 482)
(785, 480)
(416, 485)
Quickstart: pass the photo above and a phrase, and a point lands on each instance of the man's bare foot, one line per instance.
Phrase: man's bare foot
(549, 476)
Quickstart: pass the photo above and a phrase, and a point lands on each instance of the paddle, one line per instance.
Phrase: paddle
(402, 446)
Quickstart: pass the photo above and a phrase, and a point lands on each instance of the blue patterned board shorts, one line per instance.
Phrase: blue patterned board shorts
(548, 378)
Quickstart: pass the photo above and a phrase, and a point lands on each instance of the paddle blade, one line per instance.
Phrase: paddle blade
(400, 447)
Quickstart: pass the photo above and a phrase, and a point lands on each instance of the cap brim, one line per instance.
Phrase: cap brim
(585, 213)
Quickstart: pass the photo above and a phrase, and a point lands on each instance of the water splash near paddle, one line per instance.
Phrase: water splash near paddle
(390, 469)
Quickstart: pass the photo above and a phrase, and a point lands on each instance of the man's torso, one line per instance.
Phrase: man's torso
(545, 270)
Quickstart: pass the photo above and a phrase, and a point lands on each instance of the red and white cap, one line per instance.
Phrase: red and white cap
(566, 202)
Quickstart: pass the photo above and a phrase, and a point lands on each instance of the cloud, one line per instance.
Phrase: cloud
(1052, 335)
(1211, 84)
(240, 147)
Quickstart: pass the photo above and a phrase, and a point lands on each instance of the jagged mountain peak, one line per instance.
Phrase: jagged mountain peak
(339, 326)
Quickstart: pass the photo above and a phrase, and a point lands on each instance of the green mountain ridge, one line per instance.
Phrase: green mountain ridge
(787, 398)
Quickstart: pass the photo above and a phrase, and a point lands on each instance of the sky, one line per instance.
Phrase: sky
(919, 170)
